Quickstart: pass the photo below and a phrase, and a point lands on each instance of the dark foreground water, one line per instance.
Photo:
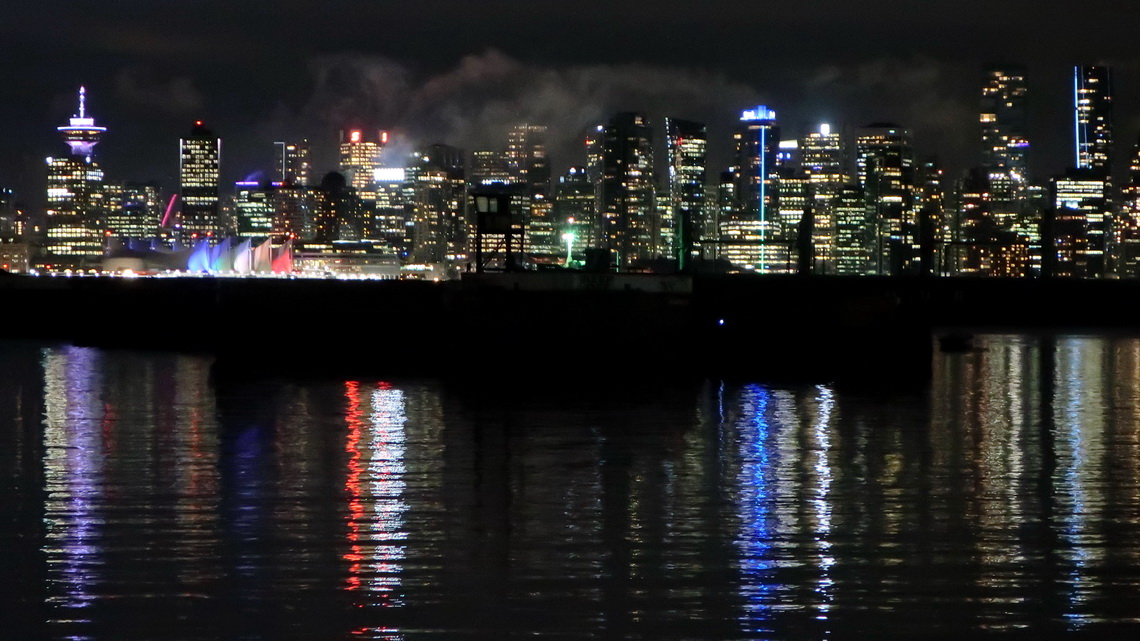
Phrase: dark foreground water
(141, 497)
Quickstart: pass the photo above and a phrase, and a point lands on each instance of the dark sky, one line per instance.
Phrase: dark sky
(461, 71)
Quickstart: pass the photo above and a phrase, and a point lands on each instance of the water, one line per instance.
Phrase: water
(141, 498)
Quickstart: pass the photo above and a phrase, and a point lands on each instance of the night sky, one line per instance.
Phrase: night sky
(462, 71)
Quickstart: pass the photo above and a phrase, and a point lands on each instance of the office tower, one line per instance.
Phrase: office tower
(1080, 206)
(822, 159)
(1005, 147)
(255, 208)
(292, 213)
(686, 144)
(487, 167)
(749, 231)
(294, 163)
(391, 219)
(359, 159)
(200, 158)
(574, 211)
(527, 164)
(934, 226)
(792, 205)
(1092, 95)
(976, 225)
(75, 199)
(134, 210)
(335, 210)
(853, 232)
(627, 190)
(438, 224)
(887, 175)
(7, 214)
(1129, 223)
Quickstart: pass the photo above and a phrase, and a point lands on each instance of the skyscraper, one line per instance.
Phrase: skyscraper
(687, 146)
(627, 189)
(822, 157)
(1092, 95)
(574, 208)
(294, 164)
(1005, 147)
(359, 159)
(749, 229)
(75, 198)
(527, 164)
(887, 175)
(200, 159)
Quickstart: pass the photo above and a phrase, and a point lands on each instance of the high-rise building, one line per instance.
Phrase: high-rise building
(687, 147)
(822, 158)
(1092, 95)
(254, 204)
(527, 164)
(853, 232)
(294, 163)
(1081, 205)
(134, 210)
(75, 198)
(887, 176)
(1005, 146)
(359, 159)
(574, 209)
(749, 230)
(200, 160)
(487, 167)
(391, 219)
(627, 190)
(1129, 223)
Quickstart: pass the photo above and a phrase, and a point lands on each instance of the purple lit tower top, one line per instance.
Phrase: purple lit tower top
(81, 133)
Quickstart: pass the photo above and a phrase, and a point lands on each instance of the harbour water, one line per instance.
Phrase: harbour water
(142, 496)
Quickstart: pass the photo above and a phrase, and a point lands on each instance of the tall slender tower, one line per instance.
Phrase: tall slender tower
(199, 161)
(749, 228)
(627, 192)
(1092, 96)
(687, 144)
(75, 207)
(1005, 147)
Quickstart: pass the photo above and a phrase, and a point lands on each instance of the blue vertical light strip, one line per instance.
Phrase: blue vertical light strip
(1077, 113)
(763, 193)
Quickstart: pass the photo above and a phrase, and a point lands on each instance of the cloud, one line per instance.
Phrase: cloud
(474, 103)
(175, 96)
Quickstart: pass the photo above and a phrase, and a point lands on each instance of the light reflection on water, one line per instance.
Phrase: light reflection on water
(157, 502)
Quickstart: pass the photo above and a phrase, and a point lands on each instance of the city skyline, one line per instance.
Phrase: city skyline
(302, 72)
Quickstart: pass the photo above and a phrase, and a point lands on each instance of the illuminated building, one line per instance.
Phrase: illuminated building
(359, 159)
(488, 166)
(574, 209)
(853, 232)
(335, 210)
(1005, 147)
(1080, 201)
(255, 205)
(822, 159)
(8, 215)
(794, 194)
(527, 164)
(390, 219)
(75, 199)
(1129, 224)
(686, 144)
(749, 231)
(976, 224)
(134, 210)
(1092, 96)
(887, 175)
(934, 226)
(294, 164)
(292, 213)
(627, 190)
(438, 225)
(200, 157)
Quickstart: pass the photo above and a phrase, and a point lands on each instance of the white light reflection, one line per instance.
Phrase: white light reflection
(821, 503)
(73, 472)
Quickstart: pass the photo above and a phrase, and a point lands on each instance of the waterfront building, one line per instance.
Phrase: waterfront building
(294, 162)
(885, 160)
(686, 144)
(199, 164)
(627, 190)
(75, 197)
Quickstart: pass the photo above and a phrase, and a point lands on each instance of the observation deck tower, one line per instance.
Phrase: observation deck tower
(81, 133)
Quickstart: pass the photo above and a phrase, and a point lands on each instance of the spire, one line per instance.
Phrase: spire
(83, 102)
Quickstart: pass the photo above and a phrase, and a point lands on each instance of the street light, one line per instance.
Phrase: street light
(568, 238)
